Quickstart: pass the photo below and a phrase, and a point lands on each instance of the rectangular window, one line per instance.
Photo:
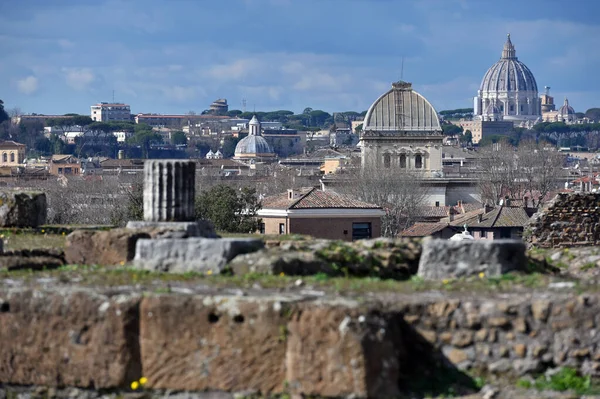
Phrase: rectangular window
(512, 108)
(60, 171)
(262, 228)
(281, 228)
(361, 231)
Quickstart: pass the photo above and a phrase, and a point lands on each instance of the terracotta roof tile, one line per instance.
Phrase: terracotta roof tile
(312, 198)
(423, 229)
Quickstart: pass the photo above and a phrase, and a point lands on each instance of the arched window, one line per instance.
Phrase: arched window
(418, 161)
(386, 160)
(403, 161)
(12, 157)
(4, 157)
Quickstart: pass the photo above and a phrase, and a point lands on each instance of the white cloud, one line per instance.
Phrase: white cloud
(234, 70)
(79, 78)
(179, 93)
(27, 85)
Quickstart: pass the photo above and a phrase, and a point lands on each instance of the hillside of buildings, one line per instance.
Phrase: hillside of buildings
(400, 251)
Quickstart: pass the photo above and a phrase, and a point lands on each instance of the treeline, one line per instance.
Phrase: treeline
(561, 127)
(309, 119)
(457, 113)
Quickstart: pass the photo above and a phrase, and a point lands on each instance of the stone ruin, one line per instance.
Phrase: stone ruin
(570, 219)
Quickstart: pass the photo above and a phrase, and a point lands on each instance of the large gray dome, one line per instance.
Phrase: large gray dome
(508, 74)
(253, 146)
(508, 91)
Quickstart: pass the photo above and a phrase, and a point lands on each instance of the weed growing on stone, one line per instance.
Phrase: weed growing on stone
(567, 379)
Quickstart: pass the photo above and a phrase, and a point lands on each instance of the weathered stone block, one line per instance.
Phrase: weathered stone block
(191, 254)
(22, 209)
(443, 259)
(200, 228)
(200, 343)
(72, 337)
(36, 259)
(110, 247)
(359, 352)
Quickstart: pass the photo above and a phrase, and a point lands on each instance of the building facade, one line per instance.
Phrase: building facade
(401, 130)
(508, 91)
(11, 153)
(110, 112)
(321, 214)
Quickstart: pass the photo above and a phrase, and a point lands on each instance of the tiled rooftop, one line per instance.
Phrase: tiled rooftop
(313, 198)
(423, 229)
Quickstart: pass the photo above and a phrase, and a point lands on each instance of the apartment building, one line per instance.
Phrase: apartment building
(110, 112)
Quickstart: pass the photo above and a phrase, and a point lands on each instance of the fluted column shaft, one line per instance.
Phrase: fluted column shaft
(169, 190)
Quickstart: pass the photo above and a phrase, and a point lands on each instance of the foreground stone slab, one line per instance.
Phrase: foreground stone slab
(200, 228)
(73, 338)
(359, 352)
(112, 247)
(198, 343)
(442, 259)
(22, 209)
(191, 254)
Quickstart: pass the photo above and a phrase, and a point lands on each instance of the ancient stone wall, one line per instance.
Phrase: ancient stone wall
(294, 343)
(569, 219)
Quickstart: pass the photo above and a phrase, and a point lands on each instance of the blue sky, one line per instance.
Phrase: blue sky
(173, 56)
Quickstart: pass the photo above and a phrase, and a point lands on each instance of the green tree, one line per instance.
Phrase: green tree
(450, 129)
(229, 144)
(178, 138)
(3, 113)
(467, 137)
(234, 112)
(230, 210)
(143, 136)
(593, 114)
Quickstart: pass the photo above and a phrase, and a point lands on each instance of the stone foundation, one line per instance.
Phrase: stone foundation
(292, 343)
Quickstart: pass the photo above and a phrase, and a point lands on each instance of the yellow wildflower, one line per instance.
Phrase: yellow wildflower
(43, 231)
(143, 381)
(63, 233)
(209, 272)
(481, 275)
(445, 281)
(122, 262)
(281, 274)
(135, 385)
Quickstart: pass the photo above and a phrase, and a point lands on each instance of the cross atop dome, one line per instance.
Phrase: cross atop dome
(508, 52)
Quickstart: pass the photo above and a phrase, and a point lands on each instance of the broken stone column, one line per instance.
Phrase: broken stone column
(169, 196)
(169, 190)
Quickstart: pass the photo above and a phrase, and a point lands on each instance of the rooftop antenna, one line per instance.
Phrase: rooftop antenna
(113, 96)
(243, 105)
(402, 69)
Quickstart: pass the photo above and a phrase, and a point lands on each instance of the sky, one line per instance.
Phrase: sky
(176, 56)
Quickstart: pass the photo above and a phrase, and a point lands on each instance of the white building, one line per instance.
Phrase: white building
(110, 112)
(508, 91)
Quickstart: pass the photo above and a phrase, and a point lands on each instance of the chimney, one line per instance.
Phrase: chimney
(525, 202)
(460, 207)
(487, 208)
(506, 201)
(479, 218)
(450, 214)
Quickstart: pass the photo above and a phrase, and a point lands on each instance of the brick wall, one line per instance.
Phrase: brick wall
(569, 219)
